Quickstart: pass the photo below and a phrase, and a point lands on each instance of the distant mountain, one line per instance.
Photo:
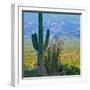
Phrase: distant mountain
(66, 35)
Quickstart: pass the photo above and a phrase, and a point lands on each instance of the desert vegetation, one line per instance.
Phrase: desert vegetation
(50, 58)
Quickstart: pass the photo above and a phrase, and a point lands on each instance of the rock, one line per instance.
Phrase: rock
(42, 70)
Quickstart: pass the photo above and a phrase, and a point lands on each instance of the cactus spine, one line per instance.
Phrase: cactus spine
(38, 43)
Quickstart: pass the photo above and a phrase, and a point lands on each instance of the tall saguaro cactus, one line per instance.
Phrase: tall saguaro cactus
(38, 42)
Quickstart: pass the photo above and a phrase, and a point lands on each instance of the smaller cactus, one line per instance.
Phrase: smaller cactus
(51, 62)
(52, 59)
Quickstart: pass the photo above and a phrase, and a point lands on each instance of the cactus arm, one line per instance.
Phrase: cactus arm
(47, 39)
(35, 41)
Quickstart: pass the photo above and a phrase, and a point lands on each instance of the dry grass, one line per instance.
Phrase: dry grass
(70, 58)
(30, 60)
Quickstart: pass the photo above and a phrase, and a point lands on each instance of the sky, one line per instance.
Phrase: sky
(62, 26)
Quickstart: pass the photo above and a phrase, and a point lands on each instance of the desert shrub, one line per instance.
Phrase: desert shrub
(31, 73)
(68, 70)
(72, 70)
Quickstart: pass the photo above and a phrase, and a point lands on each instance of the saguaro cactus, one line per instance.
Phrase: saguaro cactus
(38, 42)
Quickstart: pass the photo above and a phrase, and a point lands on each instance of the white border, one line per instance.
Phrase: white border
(16, 68)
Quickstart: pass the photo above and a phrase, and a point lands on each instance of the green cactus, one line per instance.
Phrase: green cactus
(52, 58)
(38, 43)
(51, 62)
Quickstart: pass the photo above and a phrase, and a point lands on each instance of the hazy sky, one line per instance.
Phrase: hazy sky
(60, 25)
